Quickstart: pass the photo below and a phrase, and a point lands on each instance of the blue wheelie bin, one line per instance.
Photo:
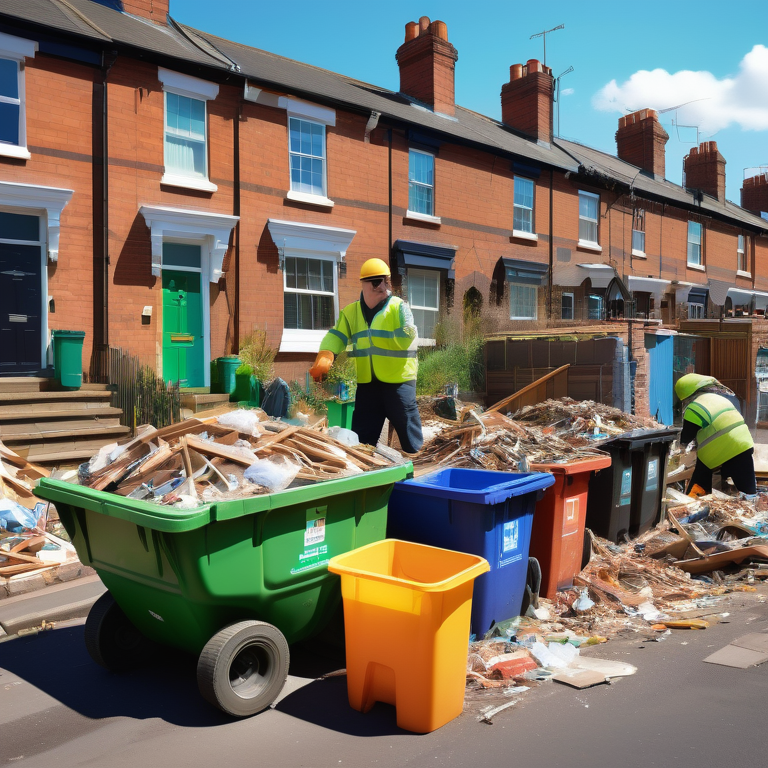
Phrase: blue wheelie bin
(480, 512)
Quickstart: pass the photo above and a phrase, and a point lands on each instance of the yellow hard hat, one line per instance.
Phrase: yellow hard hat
(374, 268)
(692, 382)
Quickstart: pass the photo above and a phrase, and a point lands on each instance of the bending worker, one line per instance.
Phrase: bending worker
(383, 336)
(722, 437)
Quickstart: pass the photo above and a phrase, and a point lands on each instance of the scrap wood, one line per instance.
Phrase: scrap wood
(240, 456)
(18, 461)
(721, 559)
(273, 439)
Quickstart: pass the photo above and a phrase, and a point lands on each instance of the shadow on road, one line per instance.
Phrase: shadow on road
(324, 703)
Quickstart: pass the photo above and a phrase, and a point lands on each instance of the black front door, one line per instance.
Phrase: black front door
(20, 308)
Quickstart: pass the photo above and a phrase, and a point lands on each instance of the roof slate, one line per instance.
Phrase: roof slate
(642, 181)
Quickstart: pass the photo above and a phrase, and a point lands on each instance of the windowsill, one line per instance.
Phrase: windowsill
(295, 340)
(304, 197)
(423, 217)
(529, 319)
(188, 182)
(11, 150)
(519, 234)
(639, 254)
(587, 246)
(425, 342)
(740, 273)
(698, 267)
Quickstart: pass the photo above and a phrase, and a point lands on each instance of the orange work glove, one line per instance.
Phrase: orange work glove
(323, 363)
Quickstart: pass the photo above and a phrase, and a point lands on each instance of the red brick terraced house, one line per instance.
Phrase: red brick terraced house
(150, 171)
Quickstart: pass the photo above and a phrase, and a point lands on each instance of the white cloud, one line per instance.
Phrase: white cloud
(567, 92)
(740, 100)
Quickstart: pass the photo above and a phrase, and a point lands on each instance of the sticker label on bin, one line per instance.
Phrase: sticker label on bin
(652, 482)
(571, 516)
(315, 554)
(626, 487)
(510, 543)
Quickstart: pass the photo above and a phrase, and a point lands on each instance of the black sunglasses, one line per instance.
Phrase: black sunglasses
(376, 282)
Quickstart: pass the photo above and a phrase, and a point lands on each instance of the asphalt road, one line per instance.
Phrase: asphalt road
(57, 708)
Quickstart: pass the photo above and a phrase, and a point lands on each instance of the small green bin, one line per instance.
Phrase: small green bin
(340, 413)
(68, 358)
(184, 576)
(226, 367)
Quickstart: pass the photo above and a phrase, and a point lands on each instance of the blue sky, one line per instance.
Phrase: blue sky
(625, 56)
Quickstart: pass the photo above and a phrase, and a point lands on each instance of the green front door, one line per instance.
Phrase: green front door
(183, 348)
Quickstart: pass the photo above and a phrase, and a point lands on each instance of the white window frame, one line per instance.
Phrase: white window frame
(700, 263)
(17, 49)
(696, 311)
(417, 215)
(199, 90)
(309, 241)
(742, 265)
(638, 215)
(523, 233)
(309, 197)
(535, 289)
(432, 274)
(318, 256)
(573, 306)
(593, 245)
(311, 113)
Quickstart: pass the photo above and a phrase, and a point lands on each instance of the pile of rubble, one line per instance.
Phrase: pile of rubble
(31, 538)
(234, 455)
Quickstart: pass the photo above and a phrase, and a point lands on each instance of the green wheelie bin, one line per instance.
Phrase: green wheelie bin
(233, 582)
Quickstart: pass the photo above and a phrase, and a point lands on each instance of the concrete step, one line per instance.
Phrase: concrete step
(202, 402)
(28, 433)
(62, 395)
(57, 603)
(64, 449)
(23, 383)
(57, 411)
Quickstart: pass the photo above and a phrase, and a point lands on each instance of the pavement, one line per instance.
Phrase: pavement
(51, 604)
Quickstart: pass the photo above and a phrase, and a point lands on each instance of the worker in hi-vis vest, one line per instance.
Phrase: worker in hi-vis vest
(382, 335)
(723, 439)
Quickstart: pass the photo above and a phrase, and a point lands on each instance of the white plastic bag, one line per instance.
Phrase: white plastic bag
(344, 436)
(242, 420)
(275, 473)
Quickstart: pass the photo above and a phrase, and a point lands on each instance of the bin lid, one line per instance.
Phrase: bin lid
(477, 486)
(640, 437)
(591, 464)
(70, 334)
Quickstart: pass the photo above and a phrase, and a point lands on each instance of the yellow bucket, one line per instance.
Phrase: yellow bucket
(406, 616)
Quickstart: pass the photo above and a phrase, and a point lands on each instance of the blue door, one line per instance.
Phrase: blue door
(660, 379)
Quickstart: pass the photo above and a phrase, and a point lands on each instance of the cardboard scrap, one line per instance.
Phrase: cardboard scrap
(755, 641)
(734, 656)
(580, 678)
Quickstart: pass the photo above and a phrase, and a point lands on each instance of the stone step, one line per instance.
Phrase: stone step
(34, 432)
(56, 410)
(74, 394)
(203, 402)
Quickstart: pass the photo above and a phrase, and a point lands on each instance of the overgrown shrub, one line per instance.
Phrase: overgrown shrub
(256, 353)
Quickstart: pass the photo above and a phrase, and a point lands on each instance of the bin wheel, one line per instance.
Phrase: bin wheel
(243, 667)
(111, 639)
(532, 586)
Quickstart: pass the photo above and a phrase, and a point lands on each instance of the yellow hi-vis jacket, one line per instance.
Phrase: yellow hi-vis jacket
(387, 348)
(722, 432)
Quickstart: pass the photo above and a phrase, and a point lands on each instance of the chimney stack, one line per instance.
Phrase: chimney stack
(640, 140)
(754, 193)
(427, 61)
(526, 100)
(152, 10)
(704, 169)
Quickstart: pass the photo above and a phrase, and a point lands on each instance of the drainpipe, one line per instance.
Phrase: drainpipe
(107, 62)
(389, 140)
(551, 242)
(236, 212)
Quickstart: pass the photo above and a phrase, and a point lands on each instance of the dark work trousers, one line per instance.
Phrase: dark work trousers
(377, 401)
(741, 469)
